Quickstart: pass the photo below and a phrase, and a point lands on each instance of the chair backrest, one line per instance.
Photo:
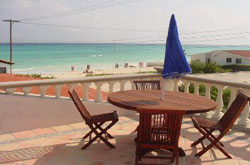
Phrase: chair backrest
(233, 111)
(147, 84)
(160, 129)
(79, 105)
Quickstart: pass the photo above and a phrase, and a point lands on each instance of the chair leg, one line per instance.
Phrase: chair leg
(177, 158)
(101, 129)
(90, 142)
(209, 147)
(99, 135)
(213, 143)
(175, 151)
(88, 134)
(203, 137)
(91, 131)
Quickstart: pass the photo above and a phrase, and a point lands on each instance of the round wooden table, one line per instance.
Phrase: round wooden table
(151, 99)
(141, 100)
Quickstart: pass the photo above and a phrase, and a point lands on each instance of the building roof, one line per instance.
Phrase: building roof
(244, 53)
(6, 62)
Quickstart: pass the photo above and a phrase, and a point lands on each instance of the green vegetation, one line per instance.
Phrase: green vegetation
(38, 76)
(100, 74)
(238, 67)
(146, 72)
(213, 93)
(212, 67)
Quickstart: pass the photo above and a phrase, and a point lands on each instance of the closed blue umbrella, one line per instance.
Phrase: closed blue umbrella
(175, 63)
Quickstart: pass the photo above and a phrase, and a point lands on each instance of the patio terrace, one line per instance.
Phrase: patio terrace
(44, 129)
(49, 141)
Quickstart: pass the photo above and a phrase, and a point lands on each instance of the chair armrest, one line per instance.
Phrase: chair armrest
(104, 117)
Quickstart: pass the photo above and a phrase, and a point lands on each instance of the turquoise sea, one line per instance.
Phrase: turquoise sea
(54, 57)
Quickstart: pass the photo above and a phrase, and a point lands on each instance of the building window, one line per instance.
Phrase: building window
(229, 60)
(208, 60)
(238, 61)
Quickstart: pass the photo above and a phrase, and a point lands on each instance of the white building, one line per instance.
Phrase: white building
(5, 66)
(224, 57)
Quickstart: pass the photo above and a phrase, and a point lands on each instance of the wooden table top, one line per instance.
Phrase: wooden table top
(151, 99)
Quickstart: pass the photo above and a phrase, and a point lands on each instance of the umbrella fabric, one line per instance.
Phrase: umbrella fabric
(175, 64)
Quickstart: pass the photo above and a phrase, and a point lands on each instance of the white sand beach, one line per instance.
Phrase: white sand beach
(75, 74)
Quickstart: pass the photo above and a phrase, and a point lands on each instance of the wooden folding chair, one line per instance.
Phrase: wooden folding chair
(147, 84)
(206, 127)
(158, 130)
(95, 122)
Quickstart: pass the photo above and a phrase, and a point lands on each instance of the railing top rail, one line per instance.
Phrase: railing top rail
(216, 82)
(116, 78)
(77, 80)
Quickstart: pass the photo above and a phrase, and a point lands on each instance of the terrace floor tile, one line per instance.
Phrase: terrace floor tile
(62, 145)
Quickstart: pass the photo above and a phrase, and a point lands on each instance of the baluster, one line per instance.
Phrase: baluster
(85, 91)
(122, 85)
(26, 90)
(233, 95)
(196, 87)
(111, 86)
(208, 95)
(132, 85)
(58, 88)
(10, 91)
(43, 90)
(176, 81)
(186, 86)
(208, 88)
(98, 91)
(219, 101)
(244, 117)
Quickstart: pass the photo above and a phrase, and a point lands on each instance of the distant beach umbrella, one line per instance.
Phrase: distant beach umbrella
(175, 63)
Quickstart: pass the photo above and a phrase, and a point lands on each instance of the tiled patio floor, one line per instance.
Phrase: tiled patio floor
(61, 145)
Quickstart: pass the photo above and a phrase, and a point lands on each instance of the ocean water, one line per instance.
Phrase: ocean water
(52, 58)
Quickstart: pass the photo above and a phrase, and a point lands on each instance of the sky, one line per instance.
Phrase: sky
(213, 22)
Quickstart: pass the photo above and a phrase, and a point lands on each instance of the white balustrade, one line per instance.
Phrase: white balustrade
(43, 90)
(122, 85)
(116, 80)
(186, 86)
(176, 81)
(233, 95)
(26, 90)
(208, 95)
(244, 117)
(111, 86)
(196, 87)
(58, 88)
(219, 101)
(98, 91)
(132, 84)
(10, 91)
(208, 87)
(85, 91)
